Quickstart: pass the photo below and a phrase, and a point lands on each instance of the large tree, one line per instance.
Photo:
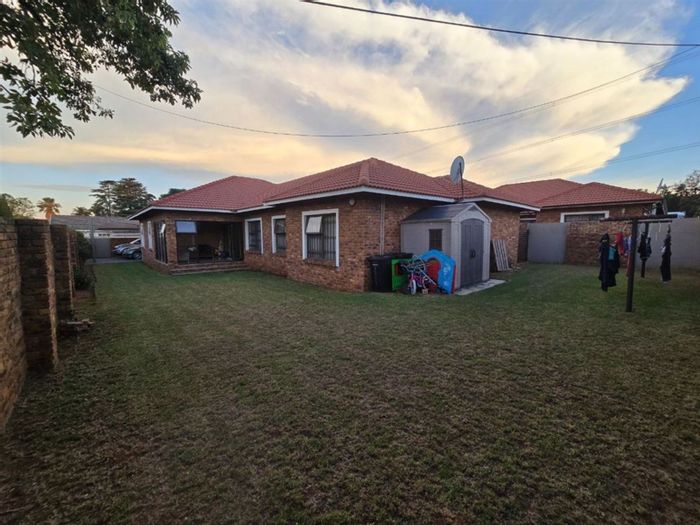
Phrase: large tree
(17, 206)
(171, 191)
(685, 195)
(49, 207)
(130, 196)
(104, 198)
(52, 45)
(82, 210)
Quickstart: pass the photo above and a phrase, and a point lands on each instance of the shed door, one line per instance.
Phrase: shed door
(472, 252)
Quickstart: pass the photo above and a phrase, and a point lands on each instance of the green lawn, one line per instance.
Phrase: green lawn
(244, 397)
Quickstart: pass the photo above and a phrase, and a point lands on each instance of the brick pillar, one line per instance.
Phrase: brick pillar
(38, 293)
(171, 240)
(63, 272)
(13, 363)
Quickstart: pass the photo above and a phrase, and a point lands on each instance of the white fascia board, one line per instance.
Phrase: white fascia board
(168, 208)
(360, 189)
(256, 208)
(501, 201)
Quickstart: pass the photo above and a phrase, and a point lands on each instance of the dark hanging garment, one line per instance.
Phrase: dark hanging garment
(644, 249)
(609, 263)
(666, 259)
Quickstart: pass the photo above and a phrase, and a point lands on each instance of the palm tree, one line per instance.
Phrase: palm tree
(81, 210)
(49, 206)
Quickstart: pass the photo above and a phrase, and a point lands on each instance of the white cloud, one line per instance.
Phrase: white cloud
(289, 66)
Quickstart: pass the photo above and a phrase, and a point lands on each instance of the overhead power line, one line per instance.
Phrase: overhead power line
(537, 107)
(597, 127)
(637, 156)
(587, 130)
(495, 29)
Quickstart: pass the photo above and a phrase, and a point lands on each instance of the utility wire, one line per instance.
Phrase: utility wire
(536, 107)
(545, 105)
(586, 130)
(571, 169)
(495, 29)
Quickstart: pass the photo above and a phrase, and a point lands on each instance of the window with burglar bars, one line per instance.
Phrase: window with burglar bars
(254, 236)
(583, 217)
(280, 232)
(321, 237)
(435, 240)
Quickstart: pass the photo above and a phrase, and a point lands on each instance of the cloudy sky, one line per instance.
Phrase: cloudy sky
(283, 65)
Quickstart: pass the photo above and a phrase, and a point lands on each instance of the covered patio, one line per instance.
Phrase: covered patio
(200, 242)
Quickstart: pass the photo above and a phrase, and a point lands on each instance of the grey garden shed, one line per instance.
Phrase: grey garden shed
(462, 231)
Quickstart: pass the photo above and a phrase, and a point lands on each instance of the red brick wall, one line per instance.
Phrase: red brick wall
(13, 363)
(582, 239)
(359, 227)
(38, 292)
(505, 225)
(63, 272)
(554, 214)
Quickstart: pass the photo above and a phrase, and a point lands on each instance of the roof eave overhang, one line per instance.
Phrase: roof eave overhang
(502, 202)
(176, 208)
(360, 189)
(598, 204)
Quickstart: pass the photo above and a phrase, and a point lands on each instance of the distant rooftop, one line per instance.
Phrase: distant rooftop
(83, 222)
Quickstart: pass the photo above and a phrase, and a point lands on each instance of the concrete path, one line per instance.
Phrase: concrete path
(113, 260)
(479, 287)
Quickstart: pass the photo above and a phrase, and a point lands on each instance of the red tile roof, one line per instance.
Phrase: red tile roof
(240, 193)
(230, 194)
(370, 173)
(598, 193)
(554, 193)
(538, 190)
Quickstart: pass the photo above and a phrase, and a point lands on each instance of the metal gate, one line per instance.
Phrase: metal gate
(546, 243)
(472, 237)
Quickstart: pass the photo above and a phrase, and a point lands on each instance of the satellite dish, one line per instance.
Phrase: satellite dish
(457, 169)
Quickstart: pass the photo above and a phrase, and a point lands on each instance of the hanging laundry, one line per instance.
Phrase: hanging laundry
(644, 249)
(620, 242)
(609, 263)
(666, 258)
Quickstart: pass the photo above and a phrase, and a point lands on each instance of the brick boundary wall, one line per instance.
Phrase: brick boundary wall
(13, 363)
(63, 271)
(582, 239)
(38, 293)
(37, 284)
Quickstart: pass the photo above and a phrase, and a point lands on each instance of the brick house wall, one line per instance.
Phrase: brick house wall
(359, 237)
(505, 225)
(13, 363)
(359, 228)
(618, 210)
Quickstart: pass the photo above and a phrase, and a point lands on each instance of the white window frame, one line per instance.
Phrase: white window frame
(262, 240)
(272, 230)
(305, 214)
(149, 227)
(565, 213)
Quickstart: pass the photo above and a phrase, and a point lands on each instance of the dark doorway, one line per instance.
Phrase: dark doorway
(208, 241)
(472, 252)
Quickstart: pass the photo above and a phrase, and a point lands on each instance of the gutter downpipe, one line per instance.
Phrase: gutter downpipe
(382, 210)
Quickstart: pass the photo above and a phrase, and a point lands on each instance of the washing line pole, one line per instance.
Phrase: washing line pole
(630, 271)
(629, 304)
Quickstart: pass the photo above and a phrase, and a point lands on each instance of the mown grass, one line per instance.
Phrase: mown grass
(244, 397)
